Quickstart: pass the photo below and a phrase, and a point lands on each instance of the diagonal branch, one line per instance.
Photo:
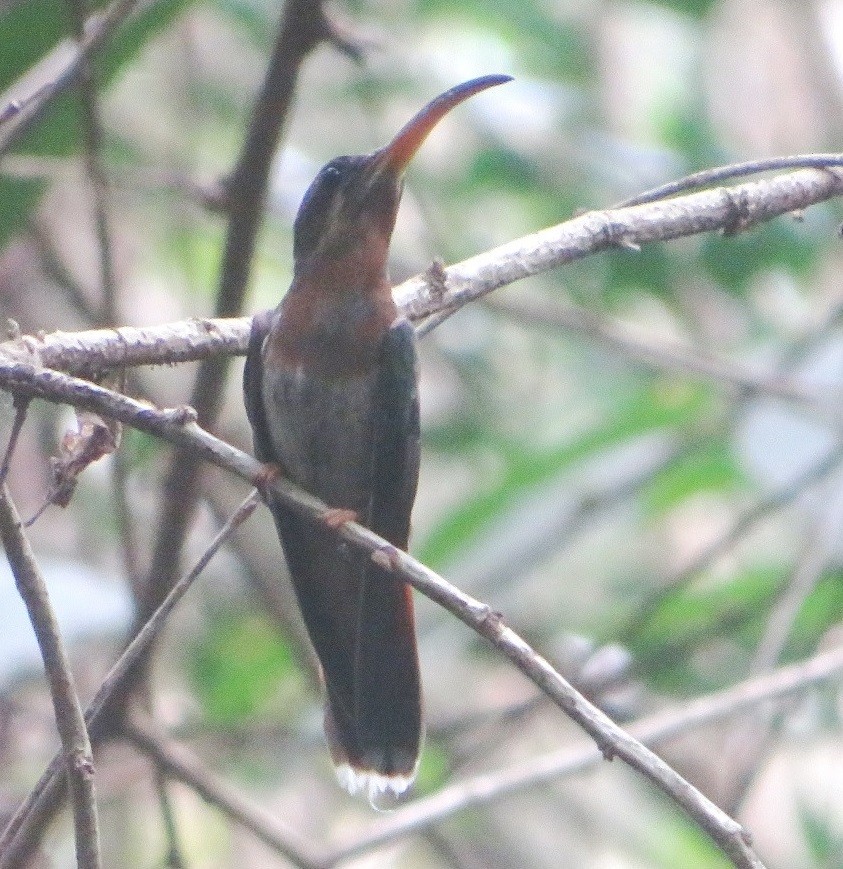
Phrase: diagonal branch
(21, 114)
(652, 730)
(77, 758)
(179, 428)
(179, 763)
(422, 297)
(740, 206)
(729, 209)
(29, 821)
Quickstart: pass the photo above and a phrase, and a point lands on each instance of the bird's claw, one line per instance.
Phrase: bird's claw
(336, 517)
(387, 557)
(265, 477)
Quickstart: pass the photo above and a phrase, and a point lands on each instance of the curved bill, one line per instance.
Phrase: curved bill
(397, 154)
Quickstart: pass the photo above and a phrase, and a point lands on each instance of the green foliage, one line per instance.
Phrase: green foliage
(693, 8)
(652, 269)
(549, 44)
(194, 252)
(678, 842)
(734, 261)
(710, 468)
(691, 134)
(523, 469)
(594, 407)
(824, 842)
(139, 448)
(434, 769)
(691, 619)
(822, 609)
(256, 19)
(241, 666)
(27, 31)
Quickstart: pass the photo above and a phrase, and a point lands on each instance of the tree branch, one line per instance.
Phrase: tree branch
(660, 356)
(743, 524)
(28, 823)
(652, 730)
(179, 428)
(77, 757)
(302, 27)
(422, 297)
(730, 209)
(21, 114)
(180, 763)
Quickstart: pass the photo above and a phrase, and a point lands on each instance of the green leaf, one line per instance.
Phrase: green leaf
(524, 469)
(824, 843)
(693, 8)
(553, 46)
(27, 32)
(692, 135)
(679, 842)
(240, 665)
(712, 468)
(140, 448)
(822, 609)
(653, 269)
(687, 619)
(434, 769)
(257, 20)
(733, 261)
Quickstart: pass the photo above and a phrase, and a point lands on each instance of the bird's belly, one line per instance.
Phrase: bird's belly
(321, 432)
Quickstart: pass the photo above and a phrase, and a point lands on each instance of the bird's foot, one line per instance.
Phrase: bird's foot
(336, 517)
(387, 557)
(265, 477)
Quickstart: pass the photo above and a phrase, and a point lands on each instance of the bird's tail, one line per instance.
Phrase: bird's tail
(374, 725)
(360, 620)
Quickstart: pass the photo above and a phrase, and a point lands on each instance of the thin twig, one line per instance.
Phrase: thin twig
(207, 193)
(107, 314)
(92, 141)
(28, 822)
(174, 859)
(815, 557)
(611, 739)
(29, 109)
(585, 235)
(656, 355)
(77, 757)
(475, 277)
(708, 177)
(21, 408)
(180, 763)
(746, 746)
(652, 730)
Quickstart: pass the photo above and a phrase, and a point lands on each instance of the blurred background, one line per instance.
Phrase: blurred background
(656, 533)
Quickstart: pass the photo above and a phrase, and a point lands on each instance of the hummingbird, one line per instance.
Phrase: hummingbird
(331, 393)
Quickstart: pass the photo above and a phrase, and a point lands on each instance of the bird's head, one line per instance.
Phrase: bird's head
(353, 201)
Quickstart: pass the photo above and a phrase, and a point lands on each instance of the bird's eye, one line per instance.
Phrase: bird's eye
(330, 176)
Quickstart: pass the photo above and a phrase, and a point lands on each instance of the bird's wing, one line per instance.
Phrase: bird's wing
(395, 442)
(253, 386)
(374, 721)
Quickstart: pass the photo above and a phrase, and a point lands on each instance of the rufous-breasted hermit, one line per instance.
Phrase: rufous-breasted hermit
(331, 393)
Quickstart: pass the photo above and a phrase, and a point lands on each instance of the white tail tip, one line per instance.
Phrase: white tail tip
(373, 784)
